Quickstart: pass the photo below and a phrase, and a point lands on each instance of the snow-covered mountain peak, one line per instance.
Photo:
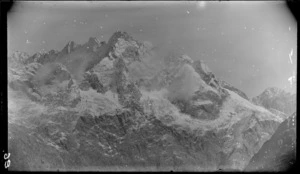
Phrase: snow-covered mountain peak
(272, 91)
(276, 99)
(121, 45)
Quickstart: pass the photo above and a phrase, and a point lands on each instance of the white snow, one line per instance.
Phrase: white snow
(233, 110)
(202, 102)
(121, 46)
(104, 70)
(20, 107)
(239, 102)
(105, 64)
(205, 67)
(187, 58)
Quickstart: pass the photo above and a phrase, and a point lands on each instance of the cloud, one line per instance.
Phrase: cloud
(201, 4)
(43, 73)
(186, 82)
(75, 63)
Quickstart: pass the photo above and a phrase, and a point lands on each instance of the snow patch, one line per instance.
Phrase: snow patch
(205, 67)
(237, 102)
(104, 70)
(96, 103)
(19, 107)
(202, 102)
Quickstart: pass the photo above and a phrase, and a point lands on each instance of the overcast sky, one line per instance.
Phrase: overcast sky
(251, 45)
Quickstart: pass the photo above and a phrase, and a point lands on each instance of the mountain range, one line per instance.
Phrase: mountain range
(111, 106)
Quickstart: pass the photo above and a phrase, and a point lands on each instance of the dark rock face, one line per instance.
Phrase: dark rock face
(232, 88)
(278, 99)
(69, 128)
(92, 81)
(279, 152)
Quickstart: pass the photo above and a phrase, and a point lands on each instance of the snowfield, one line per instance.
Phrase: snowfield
(234, 109)
(96, 103)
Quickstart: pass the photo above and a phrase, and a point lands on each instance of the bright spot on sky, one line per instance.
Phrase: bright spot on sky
(201, 4)
(27, 41)
(290, 55)
(292, 79)
(187, 12)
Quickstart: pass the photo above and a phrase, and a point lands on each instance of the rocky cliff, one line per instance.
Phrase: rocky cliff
(99, 115)
(279, 152)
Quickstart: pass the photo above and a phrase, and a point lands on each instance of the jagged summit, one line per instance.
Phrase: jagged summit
(119, 34)
(271, 91)
(93, 41)
(92, 45)
(70, 47)
(274, 98)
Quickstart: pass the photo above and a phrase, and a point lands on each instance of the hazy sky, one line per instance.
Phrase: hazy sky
(251, 45)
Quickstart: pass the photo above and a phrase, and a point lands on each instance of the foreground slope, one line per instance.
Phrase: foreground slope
(279, 152)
